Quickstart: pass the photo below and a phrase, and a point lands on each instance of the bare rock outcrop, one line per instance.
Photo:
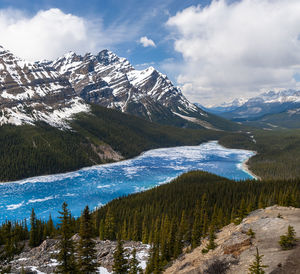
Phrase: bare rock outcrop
(235, 249)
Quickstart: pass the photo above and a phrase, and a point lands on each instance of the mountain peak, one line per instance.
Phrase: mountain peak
(107, 57)
(70, 54)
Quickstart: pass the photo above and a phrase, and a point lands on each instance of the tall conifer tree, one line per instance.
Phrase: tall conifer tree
(65, 256)
(120, 265)
(33, 235)
(86, 248)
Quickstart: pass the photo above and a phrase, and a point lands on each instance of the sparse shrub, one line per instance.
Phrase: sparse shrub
(251, 233)
(204, 251)
(237, 220)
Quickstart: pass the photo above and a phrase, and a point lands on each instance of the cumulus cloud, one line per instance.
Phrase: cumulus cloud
(237, 49)
(51, 33)
(146, 42)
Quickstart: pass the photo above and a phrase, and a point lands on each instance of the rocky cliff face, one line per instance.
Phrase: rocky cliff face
(235, 249)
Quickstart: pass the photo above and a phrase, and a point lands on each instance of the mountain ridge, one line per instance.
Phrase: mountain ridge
(54, 91)
(269, 110)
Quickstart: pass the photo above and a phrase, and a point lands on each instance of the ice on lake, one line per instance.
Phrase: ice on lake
(97, 185)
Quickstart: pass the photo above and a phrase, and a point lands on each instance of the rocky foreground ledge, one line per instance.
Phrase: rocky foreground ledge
(236, 249)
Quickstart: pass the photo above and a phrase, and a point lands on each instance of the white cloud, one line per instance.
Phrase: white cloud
(146, 42)
(237, 49)
(51, 33)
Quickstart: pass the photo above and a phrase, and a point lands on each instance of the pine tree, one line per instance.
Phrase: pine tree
(184, 226)
(242, 212)
(171, 238)
(86, 247)
(163, 237)
(220, 218)
(65, 256)
(205, 224)
(211, 244)
(145, 235)
(109, 226)
(9, 247)
(50, 227)
(124, 232)
(178, 244)
(256, 267)
(196, 230)
(101, 230)
(288, 241)
(134, 264)
(120, 265)
(154, 263)
(33, 236)
(135, 228)
(261, 202)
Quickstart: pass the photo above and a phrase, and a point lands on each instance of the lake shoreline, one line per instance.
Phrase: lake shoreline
(245, 167)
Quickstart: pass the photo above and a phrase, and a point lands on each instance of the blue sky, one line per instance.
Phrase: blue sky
(149, 15)
(214, 51)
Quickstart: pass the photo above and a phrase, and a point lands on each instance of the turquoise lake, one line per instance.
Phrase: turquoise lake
(97, 185)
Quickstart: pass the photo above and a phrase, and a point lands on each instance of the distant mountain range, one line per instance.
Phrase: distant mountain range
(268, 110)
(54, 91)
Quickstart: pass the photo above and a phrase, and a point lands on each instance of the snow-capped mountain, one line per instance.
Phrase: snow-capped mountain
(31, 92)
(225, 107)
(54, 91)
(111, 81)
(264, 104)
